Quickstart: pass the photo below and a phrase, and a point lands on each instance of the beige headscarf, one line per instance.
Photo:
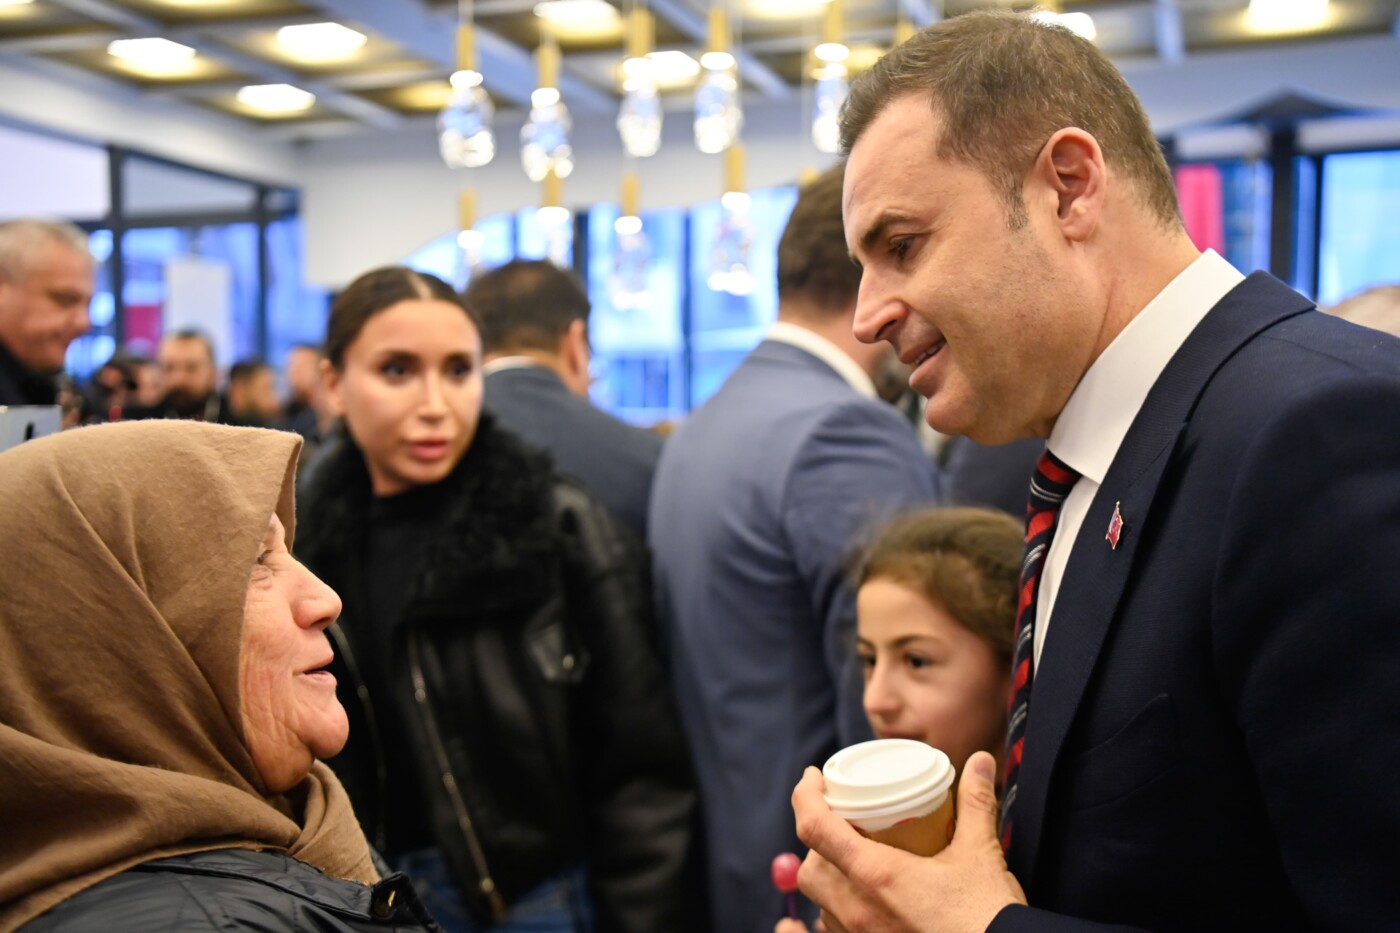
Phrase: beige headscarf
(125, 556)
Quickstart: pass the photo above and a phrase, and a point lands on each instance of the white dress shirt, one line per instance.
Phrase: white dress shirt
(826, 351)
(1094, 421)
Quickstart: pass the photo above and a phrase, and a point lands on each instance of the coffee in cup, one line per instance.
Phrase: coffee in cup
(895, 791)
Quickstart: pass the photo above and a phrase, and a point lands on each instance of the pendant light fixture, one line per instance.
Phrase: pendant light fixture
(556, 221)
(829, 73)
(729, 258)
(465, 136)
(544, 139)
(628, 285)
(639, 116)
(719, 117)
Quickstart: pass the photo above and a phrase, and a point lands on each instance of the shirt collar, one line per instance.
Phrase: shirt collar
(509, 362)
(826, 351)
(1094, 421)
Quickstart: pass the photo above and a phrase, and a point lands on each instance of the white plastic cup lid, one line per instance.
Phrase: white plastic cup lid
(885, 778)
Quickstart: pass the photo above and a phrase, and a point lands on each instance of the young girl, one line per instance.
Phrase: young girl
(936, 610)
(512, 747)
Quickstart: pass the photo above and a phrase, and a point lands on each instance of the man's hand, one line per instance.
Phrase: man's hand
(868, 887)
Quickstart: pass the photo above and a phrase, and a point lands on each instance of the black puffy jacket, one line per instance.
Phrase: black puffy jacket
(528, 687)
(236, 889)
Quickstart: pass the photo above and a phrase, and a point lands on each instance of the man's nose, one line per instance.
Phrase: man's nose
(876, 311)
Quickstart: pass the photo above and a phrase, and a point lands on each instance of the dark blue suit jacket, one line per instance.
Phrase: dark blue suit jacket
(756, 501)
(1214, 734)
(614, 459)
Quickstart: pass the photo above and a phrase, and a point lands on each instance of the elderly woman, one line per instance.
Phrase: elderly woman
(163, 701)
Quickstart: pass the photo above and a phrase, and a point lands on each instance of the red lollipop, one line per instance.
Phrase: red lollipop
(785, 868)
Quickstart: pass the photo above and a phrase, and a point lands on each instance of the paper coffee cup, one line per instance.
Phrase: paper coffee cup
(895, 791)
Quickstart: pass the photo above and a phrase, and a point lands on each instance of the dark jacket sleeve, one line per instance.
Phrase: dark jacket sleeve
(237, 889)
(645, 871)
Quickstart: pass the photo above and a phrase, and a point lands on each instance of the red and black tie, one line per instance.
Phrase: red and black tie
(1049, 487)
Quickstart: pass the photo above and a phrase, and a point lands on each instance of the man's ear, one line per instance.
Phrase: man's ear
(330, 382)
(575, 356)
(1071, 164)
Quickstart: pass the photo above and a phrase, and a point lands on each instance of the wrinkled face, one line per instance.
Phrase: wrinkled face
(927, 676)
(186, 369)
(410, 389)
(986, 316)
(290, 714)
(46, 309)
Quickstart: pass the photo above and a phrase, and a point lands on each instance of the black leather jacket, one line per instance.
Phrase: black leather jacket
(528, 685)
(236, 889)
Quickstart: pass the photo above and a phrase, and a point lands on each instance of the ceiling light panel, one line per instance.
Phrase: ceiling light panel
(673, 68)
(320, 42)
(581, 20)
(275, 99)
(783, 9)
(1081, 24)
(153, 56)
(1273, 16)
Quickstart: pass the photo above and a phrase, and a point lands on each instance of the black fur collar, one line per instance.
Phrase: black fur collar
(495, 547)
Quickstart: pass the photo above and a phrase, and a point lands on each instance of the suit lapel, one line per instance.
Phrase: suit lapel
(1097, 573)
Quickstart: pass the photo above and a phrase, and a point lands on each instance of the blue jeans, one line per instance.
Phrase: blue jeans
(559, 905)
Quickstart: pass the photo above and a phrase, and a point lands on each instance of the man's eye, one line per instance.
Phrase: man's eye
(900, 247)
(394, 369)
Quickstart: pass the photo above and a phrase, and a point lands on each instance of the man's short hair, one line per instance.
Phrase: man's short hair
(244, 370)
(526, 305)
(191, 333)
(1002, 84)
(813, 263)
(21, 239)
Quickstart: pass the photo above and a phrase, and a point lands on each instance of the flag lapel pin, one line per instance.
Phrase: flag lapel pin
(1115, 527)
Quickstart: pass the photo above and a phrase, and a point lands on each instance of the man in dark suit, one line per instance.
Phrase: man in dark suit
(1212, 653)
(758, 500)
(535, 333)
(46, 283)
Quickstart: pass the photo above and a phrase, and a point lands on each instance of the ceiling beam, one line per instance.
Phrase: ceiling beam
(111, 14)
(60, 42)
(751, 69)
(509, 69)
(307, 130)
(482, 8)
(777, 45)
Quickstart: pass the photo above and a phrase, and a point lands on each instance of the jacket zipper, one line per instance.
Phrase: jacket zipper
(381, 767)
(486, 885)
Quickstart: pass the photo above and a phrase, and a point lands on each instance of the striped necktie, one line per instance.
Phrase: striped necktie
(1049, 487)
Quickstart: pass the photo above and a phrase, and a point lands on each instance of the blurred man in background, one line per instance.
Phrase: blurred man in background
(187, 371)
(46, 284)
(252, 395)
(535, 330)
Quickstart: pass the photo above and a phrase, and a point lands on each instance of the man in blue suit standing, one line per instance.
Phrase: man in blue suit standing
(534, 328)
(756, 502)
(1210, 656)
